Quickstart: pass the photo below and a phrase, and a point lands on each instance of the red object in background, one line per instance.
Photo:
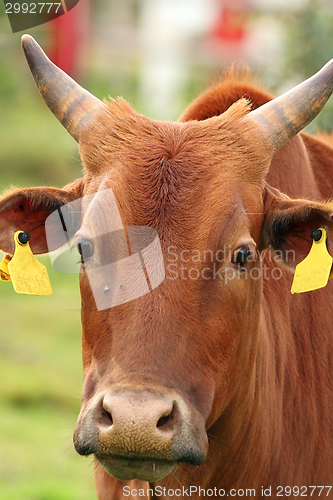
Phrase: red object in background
(69, 36)
(231, 26)
(231, 23)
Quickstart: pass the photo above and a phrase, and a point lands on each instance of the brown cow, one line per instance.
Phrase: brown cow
(218, 378)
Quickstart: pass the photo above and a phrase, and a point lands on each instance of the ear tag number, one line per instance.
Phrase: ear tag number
(314, 271)
(4, 271)
(27, 274)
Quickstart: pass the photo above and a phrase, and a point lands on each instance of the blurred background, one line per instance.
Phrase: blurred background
(158, 55)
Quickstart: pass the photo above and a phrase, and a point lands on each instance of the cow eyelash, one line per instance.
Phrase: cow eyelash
(242, 256)
(85, 249)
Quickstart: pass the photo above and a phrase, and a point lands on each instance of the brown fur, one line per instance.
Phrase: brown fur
(233, 85)
(252, 360)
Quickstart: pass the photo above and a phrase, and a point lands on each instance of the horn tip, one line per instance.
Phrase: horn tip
(27, 40)
(29, 46)
(34, 54)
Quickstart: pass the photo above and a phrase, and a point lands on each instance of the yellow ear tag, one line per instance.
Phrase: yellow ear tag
(27, 274)
(314, 271)
(4, 272)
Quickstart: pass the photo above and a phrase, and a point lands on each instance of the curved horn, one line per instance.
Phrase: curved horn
(71, 104)
(283, 117)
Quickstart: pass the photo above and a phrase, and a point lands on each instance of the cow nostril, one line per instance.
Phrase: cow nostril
(106, 419)
(163, 420)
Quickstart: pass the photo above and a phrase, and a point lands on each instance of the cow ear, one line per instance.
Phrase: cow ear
(288, 224)
(27, 209)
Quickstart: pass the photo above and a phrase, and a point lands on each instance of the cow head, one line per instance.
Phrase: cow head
(160, 370)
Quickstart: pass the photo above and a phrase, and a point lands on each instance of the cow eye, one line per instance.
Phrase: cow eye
(85, 249)
(242, 256)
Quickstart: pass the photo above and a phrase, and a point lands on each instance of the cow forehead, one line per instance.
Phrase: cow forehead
(180, 178)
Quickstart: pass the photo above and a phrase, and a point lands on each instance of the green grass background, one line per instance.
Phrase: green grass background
(40, 386)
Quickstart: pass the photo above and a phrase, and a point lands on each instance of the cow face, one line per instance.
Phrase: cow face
(161, 369)
(149, 365)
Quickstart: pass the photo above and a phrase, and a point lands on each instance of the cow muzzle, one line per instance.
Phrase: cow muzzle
(141, 434)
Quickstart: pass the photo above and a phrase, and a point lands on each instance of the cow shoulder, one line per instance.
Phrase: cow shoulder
(231, 87)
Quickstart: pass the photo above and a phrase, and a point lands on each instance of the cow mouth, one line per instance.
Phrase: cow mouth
(126, 469)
